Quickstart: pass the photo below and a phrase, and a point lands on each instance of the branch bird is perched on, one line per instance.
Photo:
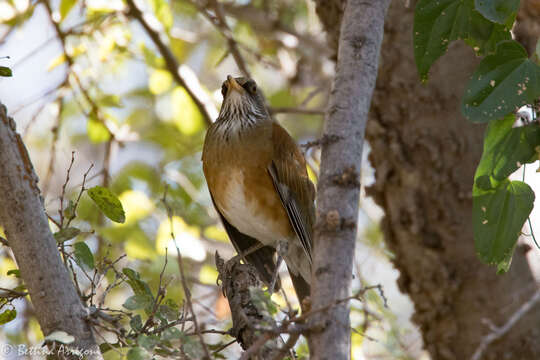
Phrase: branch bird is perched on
(258, 181)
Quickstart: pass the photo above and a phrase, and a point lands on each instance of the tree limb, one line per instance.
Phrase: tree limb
(56, 303)
(338, 188)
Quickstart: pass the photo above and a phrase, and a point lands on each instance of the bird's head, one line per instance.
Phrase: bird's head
(242, 102)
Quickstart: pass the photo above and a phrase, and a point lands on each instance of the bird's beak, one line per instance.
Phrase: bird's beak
(233, 85)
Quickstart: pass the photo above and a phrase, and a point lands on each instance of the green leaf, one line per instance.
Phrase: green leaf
(138, 286)
(148, 342)
(515, 149)
(172, 333)
(163, 12)
(97, 132)
(498, 216)
(501, 84)
(65, 7)
(66, 234)
(14, 272)
(7, 316)
(5, 71)
(69, 212)
(136, 322)
(83, 255)
(137, 302)
(108, 203)
(497, 10)
(438, 23)
(495, 133)
(136, 353)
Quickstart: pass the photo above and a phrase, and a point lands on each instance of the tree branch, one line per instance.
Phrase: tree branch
(501, 331)
(54, 298)
(193, 88)
(338, 188)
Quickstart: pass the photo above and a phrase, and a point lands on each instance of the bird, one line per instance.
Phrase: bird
(259, 185)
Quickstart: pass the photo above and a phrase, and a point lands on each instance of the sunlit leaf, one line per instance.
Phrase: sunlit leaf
(5, 71)
(108, 203)
(83, 255)
(501, 84)
(160, 81)
(187, 116)
(97, 132)
(136, 204)
(208, 275)
(14, 272)
(7, 316)
(59, 60)
(216, 233)
(187, 238)
(65, 7)
(163, 12)
(66, 234)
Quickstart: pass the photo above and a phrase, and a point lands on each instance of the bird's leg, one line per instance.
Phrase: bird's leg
(282, 247)
(242, 255)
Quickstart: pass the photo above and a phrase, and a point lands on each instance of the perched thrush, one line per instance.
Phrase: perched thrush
(258, 181)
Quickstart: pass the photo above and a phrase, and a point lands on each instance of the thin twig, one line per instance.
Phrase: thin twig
(499, 332)
(203, 102)
(182, 275)
(296, 110)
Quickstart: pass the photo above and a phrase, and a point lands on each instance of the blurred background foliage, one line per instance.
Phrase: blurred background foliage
(89, 78)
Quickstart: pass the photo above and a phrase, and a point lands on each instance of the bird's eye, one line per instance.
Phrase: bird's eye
(251, 87)
(224, 90)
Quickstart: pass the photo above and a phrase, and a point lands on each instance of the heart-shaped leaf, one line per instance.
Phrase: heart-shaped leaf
(501, 84)
(498, 216)
(438, 23)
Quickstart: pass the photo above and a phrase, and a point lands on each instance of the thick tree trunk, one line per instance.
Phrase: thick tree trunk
(56, 303)
(339, 187)
(425, 155)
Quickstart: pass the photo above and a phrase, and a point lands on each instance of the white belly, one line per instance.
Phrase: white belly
(245, 214)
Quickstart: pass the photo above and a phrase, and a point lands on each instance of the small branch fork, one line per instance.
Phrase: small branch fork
(499, 332)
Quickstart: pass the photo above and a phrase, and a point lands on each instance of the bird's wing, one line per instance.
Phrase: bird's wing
(291, 181)
(262, 259)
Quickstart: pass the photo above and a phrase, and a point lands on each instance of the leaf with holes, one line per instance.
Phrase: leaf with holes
(108, 203)
(438, 23)
(501, 84)
(498, 216)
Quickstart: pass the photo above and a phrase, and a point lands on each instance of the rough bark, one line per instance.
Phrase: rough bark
(338, 187)
(425, 155)
(236, 281)
(56, 304)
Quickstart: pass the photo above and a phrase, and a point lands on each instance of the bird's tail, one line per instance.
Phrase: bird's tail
(301, 287)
